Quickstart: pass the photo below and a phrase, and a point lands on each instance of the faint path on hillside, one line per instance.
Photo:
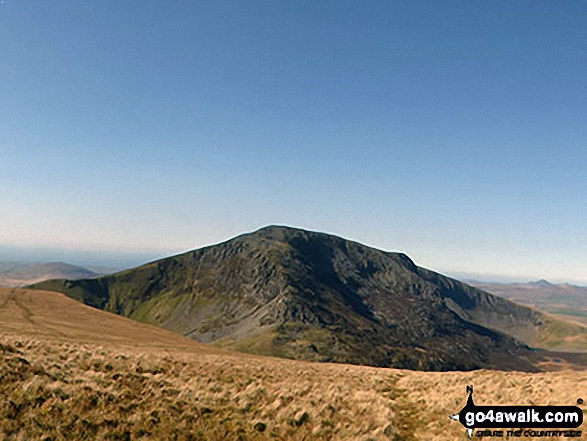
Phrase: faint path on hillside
(14, 297)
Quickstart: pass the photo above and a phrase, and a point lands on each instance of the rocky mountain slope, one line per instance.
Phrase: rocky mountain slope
(305, 295)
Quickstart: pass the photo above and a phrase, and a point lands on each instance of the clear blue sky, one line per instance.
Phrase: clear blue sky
(453, 131)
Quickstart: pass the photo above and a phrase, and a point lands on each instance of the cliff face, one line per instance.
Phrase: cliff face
(305, 295)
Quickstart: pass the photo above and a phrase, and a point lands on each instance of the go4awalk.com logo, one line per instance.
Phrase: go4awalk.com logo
(520, 421)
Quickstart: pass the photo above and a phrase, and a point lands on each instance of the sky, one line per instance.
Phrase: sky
(453, 131)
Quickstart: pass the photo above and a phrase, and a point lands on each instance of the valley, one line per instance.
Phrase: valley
(566, 300)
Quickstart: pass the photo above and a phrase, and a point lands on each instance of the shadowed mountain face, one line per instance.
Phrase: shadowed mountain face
(305, 295)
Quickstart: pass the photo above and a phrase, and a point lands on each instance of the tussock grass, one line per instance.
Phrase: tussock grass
(59, 390)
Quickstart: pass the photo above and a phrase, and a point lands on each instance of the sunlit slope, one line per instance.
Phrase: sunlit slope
(51, 315)
(72, 372)
(312, 296)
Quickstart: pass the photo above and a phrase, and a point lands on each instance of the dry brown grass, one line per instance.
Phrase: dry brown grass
(68, 371)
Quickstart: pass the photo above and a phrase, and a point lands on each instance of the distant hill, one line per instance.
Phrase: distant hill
(13, 274)
(563, 299)
(305, 295)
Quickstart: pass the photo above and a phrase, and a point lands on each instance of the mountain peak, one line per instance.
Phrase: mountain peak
(542, 283)
(308, 295)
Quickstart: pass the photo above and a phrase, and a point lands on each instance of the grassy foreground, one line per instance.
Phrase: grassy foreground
(68, 371)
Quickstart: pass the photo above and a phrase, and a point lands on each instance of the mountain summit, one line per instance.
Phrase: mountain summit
(306, 295)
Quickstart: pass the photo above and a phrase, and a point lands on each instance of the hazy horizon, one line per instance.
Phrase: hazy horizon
(119, 260)
(451, 131)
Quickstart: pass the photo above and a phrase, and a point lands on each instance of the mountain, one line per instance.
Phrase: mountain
(306, 295)
(562, 299)
(13, 274)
